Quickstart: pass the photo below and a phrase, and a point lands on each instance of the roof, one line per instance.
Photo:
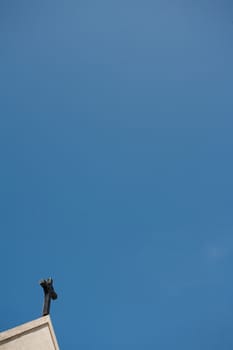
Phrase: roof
(38, 334)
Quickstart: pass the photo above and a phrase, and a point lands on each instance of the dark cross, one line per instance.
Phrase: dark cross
(49, 293)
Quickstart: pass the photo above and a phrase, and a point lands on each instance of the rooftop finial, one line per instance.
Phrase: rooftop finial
(49, 293)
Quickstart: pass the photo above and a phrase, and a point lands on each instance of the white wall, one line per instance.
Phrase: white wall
(35, 335)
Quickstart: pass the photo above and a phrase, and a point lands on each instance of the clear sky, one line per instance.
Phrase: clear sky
(116, 170)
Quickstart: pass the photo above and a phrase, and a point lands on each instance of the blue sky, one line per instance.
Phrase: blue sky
(116, 170)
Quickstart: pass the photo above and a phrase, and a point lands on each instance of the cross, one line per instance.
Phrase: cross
(49, 293)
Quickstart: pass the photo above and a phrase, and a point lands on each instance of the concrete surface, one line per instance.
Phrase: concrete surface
(34, 335)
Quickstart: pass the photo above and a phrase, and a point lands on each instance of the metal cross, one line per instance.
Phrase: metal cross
(49, 293)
